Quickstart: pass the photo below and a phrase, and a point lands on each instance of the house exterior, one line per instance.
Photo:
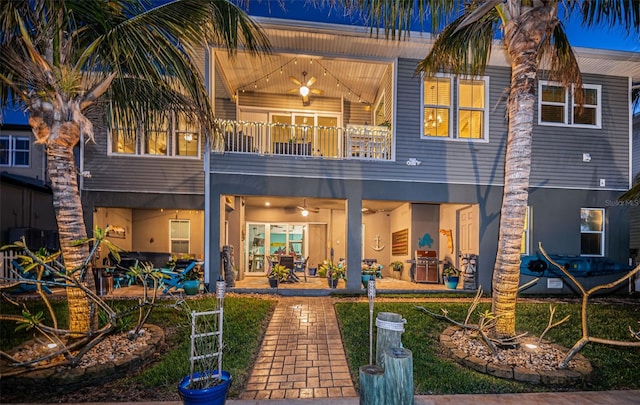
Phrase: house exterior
(634, 206)
(384, 162)
(26, 208)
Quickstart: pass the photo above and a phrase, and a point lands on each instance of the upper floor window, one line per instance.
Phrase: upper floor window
(14, 150)
(172, 135)
(469, 117)
(592, 231)
(557, 106)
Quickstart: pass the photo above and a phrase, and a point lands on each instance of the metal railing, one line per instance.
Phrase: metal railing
(361, 142)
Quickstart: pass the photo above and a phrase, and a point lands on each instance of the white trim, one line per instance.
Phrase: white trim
(484, 109)
(565, 118)
(598, 107)
(12, 150)
(423, 105)
(569, 106)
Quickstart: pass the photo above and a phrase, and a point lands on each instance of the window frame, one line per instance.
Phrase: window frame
(436, 106)
(570, 106)
(598, 106)
(526, 233)
(12, 150)
(454, 108)
(602, 232)
(484, 109)
(172, 238)
(140, 141)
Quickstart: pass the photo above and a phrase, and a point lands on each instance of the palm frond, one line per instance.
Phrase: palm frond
(462, 49)
(558, 57)
(623, 13)
(395, 17)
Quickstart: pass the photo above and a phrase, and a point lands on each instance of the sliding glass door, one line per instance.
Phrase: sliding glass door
(273, 239)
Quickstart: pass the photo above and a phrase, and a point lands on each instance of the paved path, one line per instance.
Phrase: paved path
(302, 354)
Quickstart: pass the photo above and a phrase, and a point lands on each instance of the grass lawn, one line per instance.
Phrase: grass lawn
(614, 367)
(245, 319)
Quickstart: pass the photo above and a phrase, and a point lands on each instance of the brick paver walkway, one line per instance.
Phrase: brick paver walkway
(302, 354)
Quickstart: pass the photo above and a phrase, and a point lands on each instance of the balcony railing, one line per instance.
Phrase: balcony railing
(361, 142)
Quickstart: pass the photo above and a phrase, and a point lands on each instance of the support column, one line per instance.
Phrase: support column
(354, 242)
(212, 260)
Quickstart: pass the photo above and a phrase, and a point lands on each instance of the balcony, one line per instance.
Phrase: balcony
(356, 142)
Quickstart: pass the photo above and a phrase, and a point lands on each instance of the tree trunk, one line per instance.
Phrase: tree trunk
(523, 37)
(69, 216)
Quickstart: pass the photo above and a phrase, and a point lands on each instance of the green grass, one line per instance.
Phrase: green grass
(245, 321)
(614, 367)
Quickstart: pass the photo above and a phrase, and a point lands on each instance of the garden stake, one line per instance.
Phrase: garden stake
(371, 293)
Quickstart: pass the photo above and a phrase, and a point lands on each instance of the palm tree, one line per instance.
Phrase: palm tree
(61, 58)
(534, 40)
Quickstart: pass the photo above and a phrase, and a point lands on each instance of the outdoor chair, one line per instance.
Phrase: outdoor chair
(288, 262)
(301, 266)
(175, 278)
(31, 275)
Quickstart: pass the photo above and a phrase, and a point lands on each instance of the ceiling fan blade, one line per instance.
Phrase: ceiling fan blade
(317, 92)
(293, 91)
(311, 80)
(305, 100)
(296, 81)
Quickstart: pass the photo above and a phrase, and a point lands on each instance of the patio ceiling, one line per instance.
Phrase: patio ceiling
(322, 203)
(356, 81)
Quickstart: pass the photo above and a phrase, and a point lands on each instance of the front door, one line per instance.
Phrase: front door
(468, 231)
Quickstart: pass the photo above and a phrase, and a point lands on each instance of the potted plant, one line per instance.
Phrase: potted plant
(207, 382)
(451, 276)
(396, 266)
(277, 275)
(191, 279)
(369, 271)
(333, 272)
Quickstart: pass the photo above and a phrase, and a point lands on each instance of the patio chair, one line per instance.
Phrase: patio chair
(288, 262)
(31, 275)
(301, 266)
(175, 278)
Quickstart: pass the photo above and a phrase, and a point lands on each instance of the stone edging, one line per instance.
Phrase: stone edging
(98, 373)
(571, 376)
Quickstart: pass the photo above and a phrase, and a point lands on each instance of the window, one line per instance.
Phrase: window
(592, 231)
(437, 106)
(470, 112)
(14, 150)
(179, 235)
(557, 107)
(526, 233)
(173, 135)
(471, 108)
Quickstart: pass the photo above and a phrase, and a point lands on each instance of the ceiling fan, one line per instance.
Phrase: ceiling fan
(305, 210)
(304, 87)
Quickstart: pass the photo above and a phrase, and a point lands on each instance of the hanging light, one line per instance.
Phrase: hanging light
(304, 91)
(305, 212)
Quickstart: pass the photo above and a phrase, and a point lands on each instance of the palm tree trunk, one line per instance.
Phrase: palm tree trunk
(523, 37)
(68, 208)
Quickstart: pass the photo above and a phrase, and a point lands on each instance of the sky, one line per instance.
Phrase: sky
(598, 37)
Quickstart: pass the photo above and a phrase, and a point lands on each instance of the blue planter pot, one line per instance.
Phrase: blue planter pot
(191, 287)
(365, 280)
(216, 395)
(451, 282)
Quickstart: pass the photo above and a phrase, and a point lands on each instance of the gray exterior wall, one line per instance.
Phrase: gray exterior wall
(139, 174)
(634, 207)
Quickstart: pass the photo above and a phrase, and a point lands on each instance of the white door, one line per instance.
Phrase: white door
(468, 231)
